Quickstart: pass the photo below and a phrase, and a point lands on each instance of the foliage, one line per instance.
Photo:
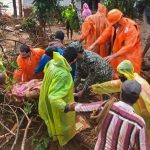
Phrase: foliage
(47, 11)
(29, 25)
(131, 8)
(28, 107)
(5, 68)
(14, 64)
(126, 6)
(44, 10)
(60, 13)
(41, 143)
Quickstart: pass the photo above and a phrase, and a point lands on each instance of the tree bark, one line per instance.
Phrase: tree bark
(20, 7)
(0, 9)
(15, 8)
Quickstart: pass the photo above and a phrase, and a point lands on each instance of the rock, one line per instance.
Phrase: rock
(10, 29)
(17, 27)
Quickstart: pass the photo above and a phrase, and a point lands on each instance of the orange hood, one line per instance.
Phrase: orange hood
(102, 9)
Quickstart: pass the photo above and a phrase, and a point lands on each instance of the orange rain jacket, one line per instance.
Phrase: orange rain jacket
(92, 28)
(127, 43)
(28, 65)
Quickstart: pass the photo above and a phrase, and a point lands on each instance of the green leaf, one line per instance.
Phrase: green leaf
(28, 107)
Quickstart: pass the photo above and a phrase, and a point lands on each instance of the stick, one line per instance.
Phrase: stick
(103, 114)
(6, 134)
(25, 134)
(6, 128)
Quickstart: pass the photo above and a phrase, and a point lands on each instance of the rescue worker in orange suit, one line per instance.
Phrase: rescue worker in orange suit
(27, 61)
(125, 40)
(92, 28)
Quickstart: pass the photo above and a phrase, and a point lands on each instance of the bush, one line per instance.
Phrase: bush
(131, 8)
(29, 25)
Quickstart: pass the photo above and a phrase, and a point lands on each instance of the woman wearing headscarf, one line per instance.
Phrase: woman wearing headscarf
(86, 11)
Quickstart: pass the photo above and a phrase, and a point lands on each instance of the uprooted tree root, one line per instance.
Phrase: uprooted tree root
(13, 132)
(16, 120)
(15, 124)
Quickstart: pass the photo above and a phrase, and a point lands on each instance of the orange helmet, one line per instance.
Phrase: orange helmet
(114, 16)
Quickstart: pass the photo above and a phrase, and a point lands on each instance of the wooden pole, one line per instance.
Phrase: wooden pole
(0, 9)
(15, 8)
(20, 7)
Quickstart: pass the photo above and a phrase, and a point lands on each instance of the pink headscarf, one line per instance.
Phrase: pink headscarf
(86, 11)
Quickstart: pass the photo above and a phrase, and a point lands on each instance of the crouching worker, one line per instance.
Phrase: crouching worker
(121, 127)
(91, 67)
(58, 40)
(27, 61)
(56, 92)
(46, 58)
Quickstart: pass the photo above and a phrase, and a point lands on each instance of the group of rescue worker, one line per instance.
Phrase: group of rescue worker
(108, 61)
